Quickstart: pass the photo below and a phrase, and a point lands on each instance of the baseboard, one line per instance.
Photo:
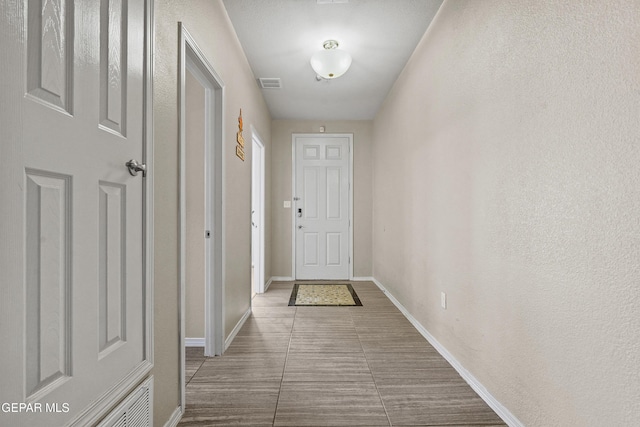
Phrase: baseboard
(266, 285)
(175, 418)
(363, 279)
(476, 385)
(194, 342)
(236, 329)
(281, 279)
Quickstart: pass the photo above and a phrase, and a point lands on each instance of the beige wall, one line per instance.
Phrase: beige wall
(281, 190)
(195, 224)
(507, 174)
(208, 23)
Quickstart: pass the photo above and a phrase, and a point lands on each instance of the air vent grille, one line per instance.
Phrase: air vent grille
(135, 410)
(270, 83)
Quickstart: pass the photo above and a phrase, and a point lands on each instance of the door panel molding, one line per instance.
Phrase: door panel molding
(50, 53)
(48, 281)
(113, 59)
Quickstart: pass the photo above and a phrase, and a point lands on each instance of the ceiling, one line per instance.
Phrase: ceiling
(279, 37)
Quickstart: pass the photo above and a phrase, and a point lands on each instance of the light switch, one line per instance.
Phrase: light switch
(287, 204)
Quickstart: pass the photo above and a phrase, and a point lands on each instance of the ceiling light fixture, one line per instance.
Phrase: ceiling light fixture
(331, 62)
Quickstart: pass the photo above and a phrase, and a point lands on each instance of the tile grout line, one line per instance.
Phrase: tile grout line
(196, 371)
(284, 368)
(371, 371)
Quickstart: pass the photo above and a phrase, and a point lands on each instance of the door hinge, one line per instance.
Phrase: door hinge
(207, 234)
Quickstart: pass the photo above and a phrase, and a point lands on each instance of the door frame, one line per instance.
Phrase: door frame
(148, 184)
(293, 195)
(190, 55)
(259, 276)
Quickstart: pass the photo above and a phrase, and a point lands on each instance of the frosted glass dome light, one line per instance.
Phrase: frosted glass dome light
(331, 62)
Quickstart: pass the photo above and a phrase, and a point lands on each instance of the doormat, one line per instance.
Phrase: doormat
(324, 295)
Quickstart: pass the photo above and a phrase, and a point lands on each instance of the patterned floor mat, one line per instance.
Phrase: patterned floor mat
(324, 295)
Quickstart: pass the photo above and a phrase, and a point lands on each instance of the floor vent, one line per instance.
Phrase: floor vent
(135, 410)
(270, 83)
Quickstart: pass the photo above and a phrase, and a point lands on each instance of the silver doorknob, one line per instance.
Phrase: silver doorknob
(135, 167)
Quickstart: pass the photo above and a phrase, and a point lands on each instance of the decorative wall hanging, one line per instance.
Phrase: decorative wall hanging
(240, 139)
(240, 152)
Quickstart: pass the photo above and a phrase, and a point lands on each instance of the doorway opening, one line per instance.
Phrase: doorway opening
(201, 233)
(257, 213)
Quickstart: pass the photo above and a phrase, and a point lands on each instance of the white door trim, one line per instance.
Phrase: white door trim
(191, 56)
(148, 185)
(259, 274)
(293, 191)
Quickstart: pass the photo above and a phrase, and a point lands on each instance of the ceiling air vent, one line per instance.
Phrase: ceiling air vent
(270, 83)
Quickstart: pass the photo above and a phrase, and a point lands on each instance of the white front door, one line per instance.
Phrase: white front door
(73, 289)
(321, 206)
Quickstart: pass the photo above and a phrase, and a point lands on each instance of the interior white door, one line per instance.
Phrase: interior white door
(257, 215)
(74, 310)
(321, 207)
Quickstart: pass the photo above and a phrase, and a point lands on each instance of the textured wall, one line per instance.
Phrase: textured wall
(281, 190)
(208, 23)
(507, 174)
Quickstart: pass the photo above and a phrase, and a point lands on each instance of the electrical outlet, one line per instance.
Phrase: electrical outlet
(443, 300)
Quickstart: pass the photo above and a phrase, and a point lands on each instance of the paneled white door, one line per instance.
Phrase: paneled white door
(321, 206)
(73, 301)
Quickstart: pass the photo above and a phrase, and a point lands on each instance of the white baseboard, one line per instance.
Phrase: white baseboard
(266, 285)
(194, 342)
(363, 279)
(236, 329)
(484, 394)
(281, 279)
(175, 418)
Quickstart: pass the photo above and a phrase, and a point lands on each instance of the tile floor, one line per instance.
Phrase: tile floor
(329, 366)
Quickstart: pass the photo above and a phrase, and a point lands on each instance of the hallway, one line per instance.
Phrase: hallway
(334, 366)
